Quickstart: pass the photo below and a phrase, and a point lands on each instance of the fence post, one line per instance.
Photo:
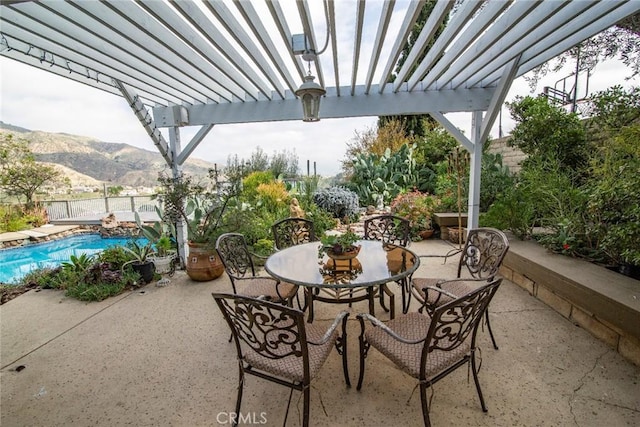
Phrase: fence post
(133, 203)
(106, 205)
(68, 208)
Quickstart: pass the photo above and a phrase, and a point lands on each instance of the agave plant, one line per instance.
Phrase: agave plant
(79, 263)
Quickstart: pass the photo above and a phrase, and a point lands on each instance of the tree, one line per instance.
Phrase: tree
(115, 191)
(284, 164)
(621, 41)
(20, 174)
(548, 132)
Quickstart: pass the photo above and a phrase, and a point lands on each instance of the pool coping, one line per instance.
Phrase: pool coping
(35, 234)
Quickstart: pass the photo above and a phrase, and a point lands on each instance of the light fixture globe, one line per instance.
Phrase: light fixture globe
(310, 94)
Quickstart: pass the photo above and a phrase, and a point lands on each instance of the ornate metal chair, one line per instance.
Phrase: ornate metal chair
(236, 258)
(482, 255)
(388, 229)
(394, 230)
(430, 347)
(292, 231)
(274, 343)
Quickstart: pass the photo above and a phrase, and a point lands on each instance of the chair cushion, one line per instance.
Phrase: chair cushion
(291, 367)
(258, 286)
(454, 287)
(413, 326)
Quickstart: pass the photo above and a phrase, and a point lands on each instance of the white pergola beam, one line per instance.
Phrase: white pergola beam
(193, 144)
(147, 123)
(498, 98)
(93, 53)
(536, 25)
(439, 13)
(413, 12)
(383, 26)
(453, 61)
(242, 38)
(452, 129)
(144, 39)
(281, 24)
(336, 107)
(356, 45)
(307, 24)
(581, 28)
(232, 65)
(450, 32)
(252, 18)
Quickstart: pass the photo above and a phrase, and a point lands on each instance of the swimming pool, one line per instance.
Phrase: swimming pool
(15, 263)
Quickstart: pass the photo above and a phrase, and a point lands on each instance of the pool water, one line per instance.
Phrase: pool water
(15, 263)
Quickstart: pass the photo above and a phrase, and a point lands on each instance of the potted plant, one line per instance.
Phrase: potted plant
(165, 255)
(417, 208)
(141, 262)
(340, 246)
(162, 237)
(201, 208)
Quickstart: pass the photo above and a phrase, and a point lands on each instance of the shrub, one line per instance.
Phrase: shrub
(416, 207)
(338, 201)
(614, 195)
(545, 130)
(85, 279)
(115, 256)
(512, 211)
(44, 278)
(251, 183)
(322, 220)
(495, 178)
(272, 195)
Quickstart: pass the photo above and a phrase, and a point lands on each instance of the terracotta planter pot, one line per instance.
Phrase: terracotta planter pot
(457, 235)
(425, 234)
(203, 263)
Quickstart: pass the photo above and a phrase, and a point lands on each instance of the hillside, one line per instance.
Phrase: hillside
(87, 161)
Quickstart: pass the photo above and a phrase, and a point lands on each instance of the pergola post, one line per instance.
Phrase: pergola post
(475, 169)
(176, 171)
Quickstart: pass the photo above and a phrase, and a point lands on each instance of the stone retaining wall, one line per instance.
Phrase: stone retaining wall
(511, 156)
(610, 312)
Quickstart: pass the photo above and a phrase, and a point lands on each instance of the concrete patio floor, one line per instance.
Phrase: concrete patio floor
(159, 356)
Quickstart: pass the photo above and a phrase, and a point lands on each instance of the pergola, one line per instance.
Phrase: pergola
(214, 62)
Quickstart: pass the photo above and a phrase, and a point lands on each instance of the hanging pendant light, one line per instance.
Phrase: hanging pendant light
(310, 93)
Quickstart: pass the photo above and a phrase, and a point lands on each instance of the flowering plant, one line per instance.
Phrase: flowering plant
(417, 207)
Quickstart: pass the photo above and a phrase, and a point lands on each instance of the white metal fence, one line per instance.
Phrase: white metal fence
(64, 209)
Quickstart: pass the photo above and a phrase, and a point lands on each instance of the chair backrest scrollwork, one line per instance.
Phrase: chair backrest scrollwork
(235, 256)
(483, 252)
(292, 231)
(269, 329)
(455, 322)
(388, 229)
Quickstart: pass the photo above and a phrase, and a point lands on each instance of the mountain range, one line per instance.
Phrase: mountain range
(87, 161)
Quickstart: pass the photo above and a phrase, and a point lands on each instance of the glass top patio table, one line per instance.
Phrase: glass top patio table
(375, 264)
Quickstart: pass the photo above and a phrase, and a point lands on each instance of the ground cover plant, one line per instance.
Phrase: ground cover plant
(83, 277)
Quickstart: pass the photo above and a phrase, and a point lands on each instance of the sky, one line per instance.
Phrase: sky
(38, 100)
